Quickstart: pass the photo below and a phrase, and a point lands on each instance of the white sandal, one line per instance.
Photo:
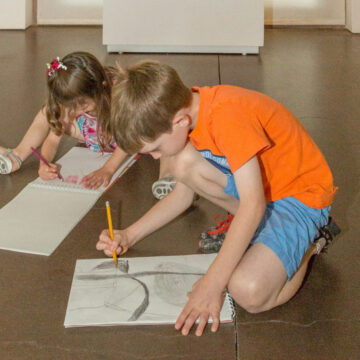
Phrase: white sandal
(6, 165)
(163, 186)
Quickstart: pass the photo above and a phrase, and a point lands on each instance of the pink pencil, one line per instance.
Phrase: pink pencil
(44, 161)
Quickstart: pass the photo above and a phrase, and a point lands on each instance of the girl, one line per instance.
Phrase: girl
(77, 105)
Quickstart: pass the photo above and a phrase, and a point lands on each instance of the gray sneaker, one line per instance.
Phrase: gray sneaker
(212, 239)
(163, 186)
(327, 235)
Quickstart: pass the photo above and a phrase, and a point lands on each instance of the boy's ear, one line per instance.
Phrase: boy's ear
(183, 121)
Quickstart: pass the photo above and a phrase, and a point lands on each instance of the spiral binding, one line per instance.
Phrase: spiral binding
(231, 303)
(61, 186)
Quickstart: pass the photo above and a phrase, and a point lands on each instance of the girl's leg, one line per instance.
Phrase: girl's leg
(34, 137)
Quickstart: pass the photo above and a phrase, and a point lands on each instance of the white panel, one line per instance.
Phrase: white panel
(69, 12)
(187, 25)
(305, 12)
(353, 15)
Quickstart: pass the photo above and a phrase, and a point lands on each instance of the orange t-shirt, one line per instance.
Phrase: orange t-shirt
(235, 124)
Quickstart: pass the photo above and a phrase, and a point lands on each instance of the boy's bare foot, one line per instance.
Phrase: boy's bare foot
(9, 161)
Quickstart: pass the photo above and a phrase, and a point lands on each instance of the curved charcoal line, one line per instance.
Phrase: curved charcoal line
(123, 265)
(145, 303)
(143, 306)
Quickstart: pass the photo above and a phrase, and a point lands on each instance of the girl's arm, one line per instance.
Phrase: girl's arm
(103, 175)
(48, 151)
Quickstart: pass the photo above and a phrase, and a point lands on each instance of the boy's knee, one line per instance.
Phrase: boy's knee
(248, 294)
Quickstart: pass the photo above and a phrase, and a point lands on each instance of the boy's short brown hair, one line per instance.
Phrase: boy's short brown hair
(145, 99)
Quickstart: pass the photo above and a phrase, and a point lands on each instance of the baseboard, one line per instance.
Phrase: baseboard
(69, 21)
(124, 48)
(299, 22)
(305, 22)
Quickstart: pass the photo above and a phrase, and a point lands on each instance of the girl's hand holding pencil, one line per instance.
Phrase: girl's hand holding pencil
(49, 172)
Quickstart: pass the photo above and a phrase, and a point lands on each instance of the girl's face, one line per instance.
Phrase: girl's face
(87, 106)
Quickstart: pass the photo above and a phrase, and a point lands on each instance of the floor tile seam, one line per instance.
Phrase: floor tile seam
(236, 333)
(296, 324)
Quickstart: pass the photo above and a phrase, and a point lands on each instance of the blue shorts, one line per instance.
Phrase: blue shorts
(288, 228)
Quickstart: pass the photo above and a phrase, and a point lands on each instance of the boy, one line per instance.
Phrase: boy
(243, 145)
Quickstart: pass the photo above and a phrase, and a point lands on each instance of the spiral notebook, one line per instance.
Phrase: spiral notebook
(39, 218)
(140, 291)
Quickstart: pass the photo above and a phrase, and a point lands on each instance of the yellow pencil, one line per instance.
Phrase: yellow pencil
(111, 231)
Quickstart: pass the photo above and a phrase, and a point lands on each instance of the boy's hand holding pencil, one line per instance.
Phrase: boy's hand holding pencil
(108, 242)
(119, 244)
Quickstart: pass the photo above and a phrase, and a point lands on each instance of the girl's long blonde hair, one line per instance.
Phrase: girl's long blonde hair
(84, 78)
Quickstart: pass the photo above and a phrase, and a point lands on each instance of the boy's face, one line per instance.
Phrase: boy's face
(169, 144)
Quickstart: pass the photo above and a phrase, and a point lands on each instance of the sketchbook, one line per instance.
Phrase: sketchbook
(140, 291)
(39, 218)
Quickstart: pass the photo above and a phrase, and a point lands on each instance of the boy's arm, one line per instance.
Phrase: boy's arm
(205, 300)
(103, 175)
(48, 151)
(159, 215)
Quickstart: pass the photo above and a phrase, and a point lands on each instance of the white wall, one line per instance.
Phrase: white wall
(69, 12)
(277, 12)
(305, 12)
(16, 14)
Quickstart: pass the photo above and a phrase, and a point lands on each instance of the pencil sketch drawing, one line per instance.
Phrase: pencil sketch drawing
(142, 290)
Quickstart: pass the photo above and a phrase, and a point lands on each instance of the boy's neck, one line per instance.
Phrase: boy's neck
(194, 108)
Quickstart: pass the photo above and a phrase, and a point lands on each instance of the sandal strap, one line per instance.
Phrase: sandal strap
(10, 153)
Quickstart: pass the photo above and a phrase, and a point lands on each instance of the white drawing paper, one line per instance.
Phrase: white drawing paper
(75, 165)
(39, 218)
(149, 290)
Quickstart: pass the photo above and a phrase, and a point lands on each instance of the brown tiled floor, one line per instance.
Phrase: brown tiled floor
(315, 73)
